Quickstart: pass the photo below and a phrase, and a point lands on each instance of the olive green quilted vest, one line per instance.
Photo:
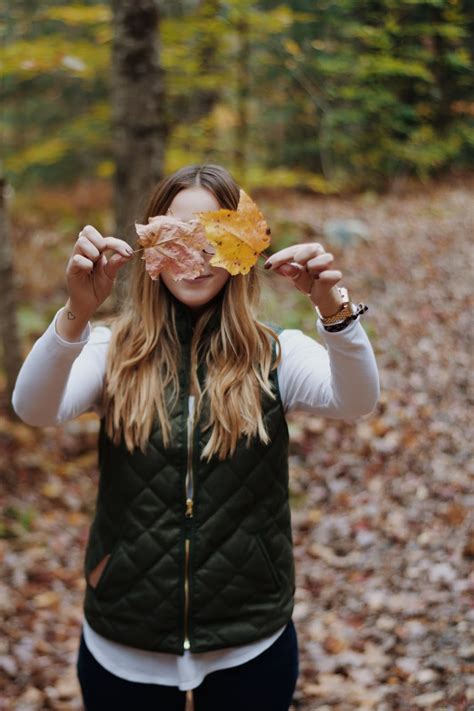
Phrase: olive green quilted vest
(200, 554)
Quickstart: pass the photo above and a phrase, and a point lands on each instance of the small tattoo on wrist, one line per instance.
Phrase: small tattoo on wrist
(70, 316)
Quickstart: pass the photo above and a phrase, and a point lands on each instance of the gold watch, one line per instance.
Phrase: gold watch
(346, 310)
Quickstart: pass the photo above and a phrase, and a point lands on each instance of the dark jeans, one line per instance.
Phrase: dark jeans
(265, 683)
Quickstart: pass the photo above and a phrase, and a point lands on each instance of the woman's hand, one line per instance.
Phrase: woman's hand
(309, 267)
(90, 275)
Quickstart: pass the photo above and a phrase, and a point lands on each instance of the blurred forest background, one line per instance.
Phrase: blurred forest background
(325, 96)
(350, 123)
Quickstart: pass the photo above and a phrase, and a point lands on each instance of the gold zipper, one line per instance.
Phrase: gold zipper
(186, 596)
(188, 514)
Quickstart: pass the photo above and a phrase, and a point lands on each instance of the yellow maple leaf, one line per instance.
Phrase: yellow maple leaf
(239, 236)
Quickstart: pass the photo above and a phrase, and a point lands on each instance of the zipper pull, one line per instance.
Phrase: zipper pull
(189, 508)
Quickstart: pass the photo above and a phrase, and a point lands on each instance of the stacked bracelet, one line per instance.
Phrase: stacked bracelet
(344, 324)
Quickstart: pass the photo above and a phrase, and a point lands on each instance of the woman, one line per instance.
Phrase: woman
(189, 564)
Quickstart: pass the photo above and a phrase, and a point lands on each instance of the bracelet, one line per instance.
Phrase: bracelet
(362, 308)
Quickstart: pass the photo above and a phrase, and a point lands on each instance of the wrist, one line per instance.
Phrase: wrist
(341, 325)
(327, 311)
(75, 313)
(71, 324)
(331, 304)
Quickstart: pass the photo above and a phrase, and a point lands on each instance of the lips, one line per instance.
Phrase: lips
(198, 279)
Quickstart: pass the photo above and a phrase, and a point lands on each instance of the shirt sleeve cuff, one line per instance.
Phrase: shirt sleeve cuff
(329, 335)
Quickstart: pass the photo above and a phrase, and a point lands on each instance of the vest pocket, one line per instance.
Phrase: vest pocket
(112, 574)
(268, 560)
(96, 573)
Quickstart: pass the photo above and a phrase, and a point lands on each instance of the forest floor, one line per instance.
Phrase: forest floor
(382, 506)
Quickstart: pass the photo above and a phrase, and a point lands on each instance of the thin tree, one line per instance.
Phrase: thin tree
(242, 94)
(9, 337)
(139, 124)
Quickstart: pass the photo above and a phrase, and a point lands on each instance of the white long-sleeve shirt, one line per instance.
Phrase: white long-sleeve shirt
(59, 380)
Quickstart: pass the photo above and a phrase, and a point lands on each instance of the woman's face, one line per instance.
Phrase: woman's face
(195, 293)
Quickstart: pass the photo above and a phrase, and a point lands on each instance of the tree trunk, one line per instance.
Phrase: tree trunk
(10, 341)
(243, 84)
(139, 123)
(203, 100)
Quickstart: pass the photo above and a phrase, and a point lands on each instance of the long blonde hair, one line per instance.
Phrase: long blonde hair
(144, 350)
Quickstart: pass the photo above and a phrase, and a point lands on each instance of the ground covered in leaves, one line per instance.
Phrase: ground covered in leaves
(381, 506)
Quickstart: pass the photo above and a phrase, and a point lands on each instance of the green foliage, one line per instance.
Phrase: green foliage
(54, 62)
(385, 82)
(78, 15)
(30, 320)
(321, 95)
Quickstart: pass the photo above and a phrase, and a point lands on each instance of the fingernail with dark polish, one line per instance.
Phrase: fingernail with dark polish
(267, 265)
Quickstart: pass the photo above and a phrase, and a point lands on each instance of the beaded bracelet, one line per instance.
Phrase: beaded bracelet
(344, 324)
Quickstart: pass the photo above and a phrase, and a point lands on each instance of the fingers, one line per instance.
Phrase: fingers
(300, 254)
(309, 266)
(84, 247)
(302, 264)
(91, 244)
(317, 265)
(330, 276)
(301, 278)
(118, 245)
(293, 271)
(79, 263)
(89, 251)
(110, 267)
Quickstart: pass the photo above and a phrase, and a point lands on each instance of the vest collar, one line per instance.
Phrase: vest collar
(185, 320)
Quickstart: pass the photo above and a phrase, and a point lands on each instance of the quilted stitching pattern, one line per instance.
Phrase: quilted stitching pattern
(241, 558)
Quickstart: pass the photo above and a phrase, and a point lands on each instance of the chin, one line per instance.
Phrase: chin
(197, 293)
(197, 301)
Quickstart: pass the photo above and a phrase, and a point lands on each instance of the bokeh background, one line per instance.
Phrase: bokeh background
(350, 123)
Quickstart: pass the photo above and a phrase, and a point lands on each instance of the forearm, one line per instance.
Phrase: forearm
(352, 388)
(339, 379)
(41, 383)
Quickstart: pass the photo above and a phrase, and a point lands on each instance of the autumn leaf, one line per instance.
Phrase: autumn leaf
(239, 236)
(173, 245)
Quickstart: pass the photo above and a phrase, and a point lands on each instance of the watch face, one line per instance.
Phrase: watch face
(344, 293)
